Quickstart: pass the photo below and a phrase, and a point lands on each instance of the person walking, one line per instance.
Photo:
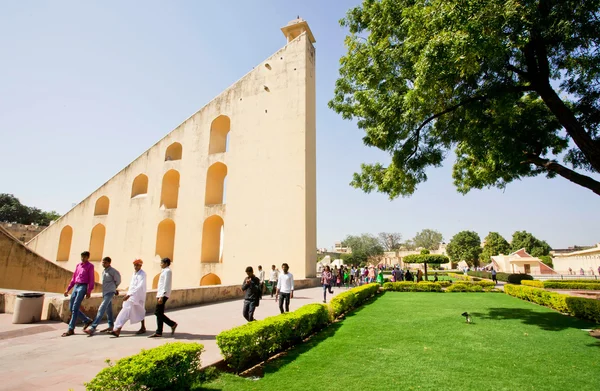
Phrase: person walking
(252, 293)
(163, 293)
(83, 281)
(285, 288)
(111, 279)
(261, 277)
(326, 282)
(494, 276)
(273, 280)
(134, 302)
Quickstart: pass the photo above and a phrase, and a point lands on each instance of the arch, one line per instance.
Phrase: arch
(102, 206)
(64, 243)
(215, 184)
(165, 239)
(210, 279)
(219, 130)
(174, 152)
(140, 185)
(170, 189)
(97, 242)
(96, 276)
(212, 238)
(155, 281)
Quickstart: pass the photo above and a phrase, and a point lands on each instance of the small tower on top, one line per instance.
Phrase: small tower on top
(296, 27)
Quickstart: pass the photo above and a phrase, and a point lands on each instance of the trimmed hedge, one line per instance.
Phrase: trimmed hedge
(460, 287)
(407, 286)
(352, 298)
(488, 275)
(534, 283)
(574, 280)
(172, 366)
(517, 278)
(256, 341)
(571, 285)
(579, 307)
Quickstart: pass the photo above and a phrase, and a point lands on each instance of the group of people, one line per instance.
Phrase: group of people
(134, 302)
(282, 284)
(582, 272)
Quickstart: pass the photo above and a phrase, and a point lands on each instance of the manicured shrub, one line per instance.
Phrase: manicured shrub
(534, 283)
(517, 278)
(488, 275)
(352, 298)
(256, 341)
(173, 366)
(574, 280)
(584, 308)
(463, 287)
(413, 286)
(571, 285)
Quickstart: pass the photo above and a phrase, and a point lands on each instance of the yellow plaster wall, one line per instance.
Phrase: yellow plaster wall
(270, 211)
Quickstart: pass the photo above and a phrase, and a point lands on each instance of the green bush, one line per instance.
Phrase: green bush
(579, 307)
(488, 275)
(352, 298)
(571, 285)
(256, 341)
(534, 283)
(407, 286)
(584, 308)
(517, 278)
(582, 281)
(173, 366)
(462, 287)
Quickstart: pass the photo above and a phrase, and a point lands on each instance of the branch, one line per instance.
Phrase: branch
(518, 71)
(553, 166)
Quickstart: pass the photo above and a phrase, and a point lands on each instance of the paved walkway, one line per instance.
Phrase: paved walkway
(35, 357)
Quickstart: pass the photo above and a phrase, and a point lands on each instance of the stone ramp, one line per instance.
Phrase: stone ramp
(43, 360)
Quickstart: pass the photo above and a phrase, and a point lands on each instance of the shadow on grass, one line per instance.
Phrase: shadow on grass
(552, 321)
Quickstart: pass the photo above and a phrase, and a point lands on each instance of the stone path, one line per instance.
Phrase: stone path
(35, 357)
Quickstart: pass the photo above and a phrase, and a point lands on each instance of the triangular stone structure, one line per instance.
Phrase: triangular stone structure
(232, 186)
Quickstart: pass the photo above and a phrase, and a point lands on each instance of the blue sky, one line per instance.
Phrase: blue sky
(86, 87)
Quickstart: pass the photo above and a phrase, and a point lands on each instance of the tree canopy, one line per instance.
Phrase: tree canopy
(363, 247)
(12, 211)
(534, 246)
(513, 87)
(428, 239)
(494, 244)
(390, 241)
(465, 246)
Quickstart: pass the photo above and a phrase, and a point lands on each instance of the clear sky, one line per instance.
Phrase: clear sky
(86, 87)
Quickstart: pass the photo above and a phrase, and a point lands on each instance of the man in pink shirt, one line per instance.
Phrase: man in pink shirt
(83, 281)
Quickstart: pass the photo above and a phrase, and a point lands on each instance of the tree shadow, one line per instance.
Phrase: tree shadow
(551, 321)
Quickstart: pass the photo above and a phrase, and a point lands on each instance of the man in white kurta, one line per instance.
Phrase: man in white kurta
(134, 303)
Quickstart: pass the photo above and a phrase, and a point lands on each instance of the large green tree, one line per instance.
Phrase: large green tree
(513, 86)
(428, 239)
(465, 246)
(390, 241)
(534, 246)
(494, 244)
(363, 247)
(12, 210)
(426, 259)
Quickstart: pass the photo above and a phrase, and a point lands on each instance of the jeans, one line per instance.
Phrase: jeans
(105, 308)
(248, 312)
(76, 298)
(161, 317)
(326, 288)
(284, 297)
(273, 287)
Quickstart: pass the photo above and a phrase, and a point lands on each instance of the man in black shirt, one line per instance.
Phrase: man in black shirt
(251, 287)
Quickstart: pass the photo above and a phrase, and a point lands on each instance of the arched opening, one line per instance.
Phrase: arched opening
(170, 190)
(64, 243)
(140, 186)
(102, 205)
(155, 281)
(219, 131)
(212, 238)
(97, 242)
(165, 239)
(215, 184)
(96, 276)
(174, 152)
(210, 279)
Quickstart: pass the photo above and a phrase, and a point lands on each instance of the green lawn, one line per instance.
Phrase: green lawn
(420, 341)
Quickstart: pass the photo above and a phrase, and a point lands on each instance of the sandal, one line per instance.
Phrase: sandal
(173, 329)
(155, 335)
(87, 324)
(141, 331)
(68, 333)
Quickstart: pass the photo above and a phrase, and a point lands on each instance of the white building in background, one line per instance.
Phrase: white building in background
(520, 262)
(576, 260)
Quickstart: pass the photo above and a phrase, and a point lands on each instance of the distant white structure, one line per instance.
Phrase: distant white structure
(576, 260)
(520, 262)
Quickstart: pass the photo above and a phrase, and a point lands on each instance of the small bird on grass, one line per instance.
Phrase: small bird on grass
(467, 317)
